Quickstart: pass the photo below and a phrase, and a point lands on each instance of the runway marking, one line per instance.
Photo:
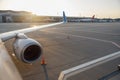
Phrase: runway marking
(99, 32)
(101, 40)
(85, 66)
(90, 31)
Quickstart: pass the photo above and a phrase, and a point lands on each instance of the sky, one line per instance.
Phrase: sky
(79, 8)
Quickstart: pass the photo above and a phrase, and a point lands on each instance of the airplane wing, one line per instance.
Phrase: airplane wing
(12, 34)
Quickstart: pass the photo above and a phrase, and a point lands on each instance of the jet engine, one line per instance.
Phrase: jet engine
(26, 49)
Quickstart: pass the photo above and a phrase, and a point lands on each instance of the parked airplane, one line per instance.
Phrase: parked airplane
(88, 19)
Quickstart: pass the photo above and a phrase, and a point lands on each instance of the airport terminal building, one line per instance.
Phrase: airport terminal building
(7, 16)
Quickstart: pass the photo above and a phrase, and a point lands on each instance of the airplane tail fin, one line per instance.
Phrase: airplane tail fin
(93, 16)
(64, 17)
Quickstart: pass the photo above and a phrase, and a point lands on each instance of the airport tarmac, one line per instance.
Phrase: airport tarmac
(69, 45)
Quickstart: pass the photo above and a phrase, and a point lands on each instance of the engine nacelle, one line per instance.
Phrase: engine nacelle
(27, 49)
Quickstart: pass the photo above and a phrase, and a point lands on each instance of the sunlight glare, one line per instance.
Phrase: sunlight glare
(38, 6)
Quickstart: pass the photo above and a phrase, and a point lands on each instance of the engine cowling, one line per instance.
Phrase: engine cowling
(26, 49)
